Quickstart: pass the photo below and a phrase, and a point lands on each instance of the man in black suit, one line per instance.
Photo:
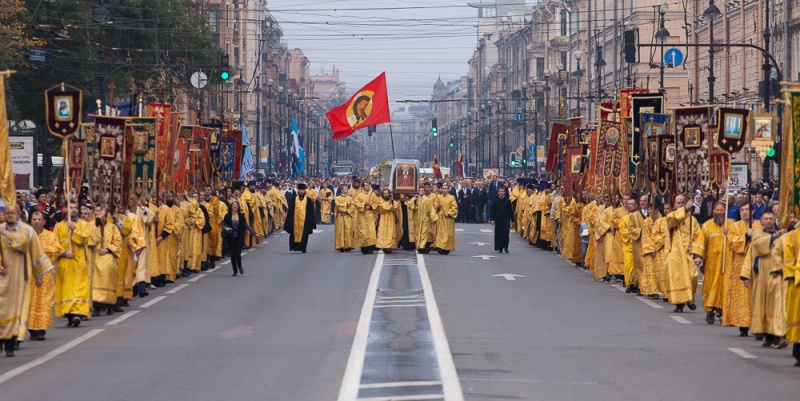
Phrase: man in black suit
(500, 215)
(465, 202)
(479, 200)
(494, 184)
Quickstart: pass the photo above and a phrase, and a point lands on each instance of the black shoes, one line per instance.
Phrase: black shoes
(241, 270)
(710, 317)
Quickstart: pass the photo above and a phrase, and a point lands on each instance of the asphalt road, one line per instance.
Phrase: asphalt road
(315, 326)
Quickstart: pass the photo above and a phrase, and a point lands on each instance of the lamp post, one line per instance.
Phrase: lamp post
(767, 67)
(525, 127)
(599, 64)
(547, 126)
(257, 90)
(241, 87)
(269, 129)
(661, 35)
(578, 74)
(711, 13)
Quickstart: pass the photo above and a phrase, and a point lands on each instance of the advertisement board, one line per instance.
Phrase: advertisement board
(23, 161)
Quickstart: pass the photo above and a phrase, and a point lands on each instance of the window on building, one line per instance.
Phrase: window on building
(488, 12)
(563, 22)
(213, 19)
(564, 59)
(539, 68)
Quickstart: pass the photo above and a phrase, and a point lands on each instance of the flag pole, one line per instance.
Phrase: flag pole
(391, 138)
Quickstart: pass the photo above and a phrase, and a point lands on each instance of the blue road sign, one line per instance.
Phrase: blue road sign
(38, 55)
(531, 148)
(673, 57)
(518, 117)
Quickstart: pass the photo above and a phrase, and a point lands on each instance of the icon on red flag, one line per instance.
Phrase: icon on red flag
(368, 107)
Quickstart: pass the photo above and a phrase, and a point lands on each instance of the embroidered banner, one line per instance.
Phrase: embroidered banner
(691, 133)
(625, 105)
(62, 110)
(734, 129)
(608, 111)
(107, 184)
(141, 148)
(558, 134)
(89, 136)
(164, 114)
(572, 170)
(77, 161)
(718, 161)
(179, 164)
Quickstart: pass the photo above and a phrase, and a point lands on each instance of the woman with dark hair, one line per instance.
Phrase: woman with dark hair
(234, 226)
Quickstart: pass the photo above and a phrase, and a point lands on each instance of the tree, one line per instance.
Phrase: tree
(15, 40)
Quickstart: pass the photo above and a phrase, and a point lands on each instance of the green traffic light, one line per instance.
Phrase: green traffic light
(224, 75)
(771, 152)
(451, 144)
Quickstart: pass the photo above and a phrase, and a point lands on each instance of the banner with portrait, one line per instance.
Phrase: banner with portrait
(107, 183)
(141, 148)
(63, 113)
(733, 124)
(692, 142)
(163, 113)
(404, 179)
(558, 134)
(179, 165)
(608, 111)
(573, 163)
(76, 163)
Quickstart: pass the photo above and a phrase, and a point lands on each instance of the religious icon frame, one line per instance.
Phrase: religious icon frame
(732, 125)
(766, 120)
(108, 147)
(65, 100)
(692, 133)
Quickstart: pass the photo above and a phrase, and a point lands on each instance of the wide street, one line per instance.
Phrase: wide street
(326, 326)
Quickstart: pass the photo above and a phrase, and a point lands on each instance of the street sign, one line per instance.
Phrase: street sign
(519, 117)
(531, 149)
(738, 178)
(199, 80)
(673, 57)
(531, 138)
(38, 55)
(520, 150)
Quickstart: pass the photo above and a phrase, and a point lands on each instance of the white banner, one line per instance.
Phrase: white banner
(738, 178)
(23, 161)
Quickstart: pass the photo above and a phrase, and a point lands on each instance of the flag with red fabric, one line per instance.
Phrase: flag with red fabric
(460, 164)
(368, 107)
(437, 172)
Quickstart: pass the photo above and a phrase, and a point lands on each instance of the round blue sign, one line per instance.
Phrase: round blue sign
(673, 57)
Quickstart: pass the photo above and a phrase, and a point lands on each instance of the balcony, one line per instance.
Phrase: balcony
(559, 41)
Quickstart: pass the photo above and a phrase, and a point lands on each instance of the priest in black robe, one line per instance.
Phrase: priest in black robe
(500, 215)
(300, 221)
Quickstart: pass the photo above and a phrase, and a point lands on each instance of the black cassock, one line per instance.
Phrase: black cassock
(308, 228)
(501, 213)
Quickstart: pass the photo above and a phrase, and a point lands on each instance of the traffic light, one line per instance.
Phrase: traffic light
(512, 157)
(774, 154)
(452, 144)
(224, 67)
(524, 157)
(434, 129)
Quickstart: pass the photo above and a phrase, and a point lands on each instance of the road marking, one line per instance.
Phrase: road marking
(486, 230)
(317, 231)
(197, 277)
(399, 305)
(479, 243)
(245, 253)
(447, 368)
(459, 230)
(508, 276)
(122, 318)
(355, 363)
(485, 257)
(178, 288)
(405, 398)
(50, 355)
(742, 353)
(680, 319)
(153, 301)
(401, 384)
(398, 301)
(619, 287)
(650, 303)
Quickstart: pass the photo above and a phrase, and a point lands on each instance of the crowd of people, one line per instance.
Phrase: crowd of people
(79, 261)
(657, 247)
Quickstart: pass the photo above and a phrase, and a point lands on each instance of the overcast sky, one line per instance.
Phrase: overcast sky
(412, 40)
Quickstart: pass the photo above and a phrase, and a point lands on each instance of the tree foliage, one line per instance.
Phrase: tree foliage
(15, 40)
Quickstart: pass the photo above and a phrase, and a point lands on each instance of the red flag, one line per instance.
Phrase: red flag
(460, 165)
(437, 172)
(368, 107)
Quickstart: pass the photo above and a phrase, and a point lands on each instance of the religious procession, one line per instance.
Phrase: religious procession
(642, 198)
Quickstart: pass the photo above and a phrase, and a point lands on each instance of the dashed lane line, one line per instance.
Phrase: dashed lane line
(152, 302)
(178, 288)
(197, 277)
(742, 353)
(122, 318)
(50, 355)
(680, 319)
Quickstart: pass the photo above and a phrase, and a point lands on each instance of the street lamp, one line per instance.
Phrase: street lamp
(240, 87)
(525, 128)
(578, 74)
(269, 129)
(257, 90)
(599, 64)
(711, 13)
(661, 35)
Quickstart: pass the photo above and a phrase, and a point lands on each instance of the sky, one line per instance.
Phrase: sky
(414, 41)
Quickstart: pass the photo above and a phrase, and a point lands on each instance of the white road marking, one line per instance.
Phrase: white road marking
(742, 353)
(225, 263)
(401, 384)
(153, 301)
(479, 243)
(486, 230)
(178, 288)
(122, 318)
(508, 276)
(355, 363)
(245, 253)
(484, 257)
(317, 231)
(405, 398)
(400, 305)
(50, 355)
(650, 303)
(680, 319)
(197, 277)
(619, 287)
(447, 368)
(459, 230)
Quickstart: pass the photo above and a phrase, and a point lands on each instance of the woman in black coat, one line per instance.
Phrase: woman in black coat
(234, 226)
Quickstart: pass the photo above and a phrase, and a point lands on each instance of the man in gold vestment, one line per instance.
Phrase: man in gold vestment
(659, 235)
(106, 243)
(680, 272)
(589, 217)
(708, 250)
(627, 245)
(387, 222)
(174, 240)
(446, 226)
(736, 301)
(615, 256)
(252, 214)
(325, 202)
(72, 275)
(164, 228)
(426, 217)
(762, 275)
(196, 222)
(23, 263)
(216, 212)
(365, 236)
(343, 220)
(44, 296)
(134, 243)
(792, 282)
(604, 239)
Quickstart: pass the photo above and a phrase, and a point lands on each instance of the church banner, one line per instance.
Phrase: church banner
(692, 137)
(733, 123)
(141, 148)
(76, 161)
(163, 112)
(572, 170)
(558, 134)
(63, 113)
(608, 163)
(107, 183)
(718, 161)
